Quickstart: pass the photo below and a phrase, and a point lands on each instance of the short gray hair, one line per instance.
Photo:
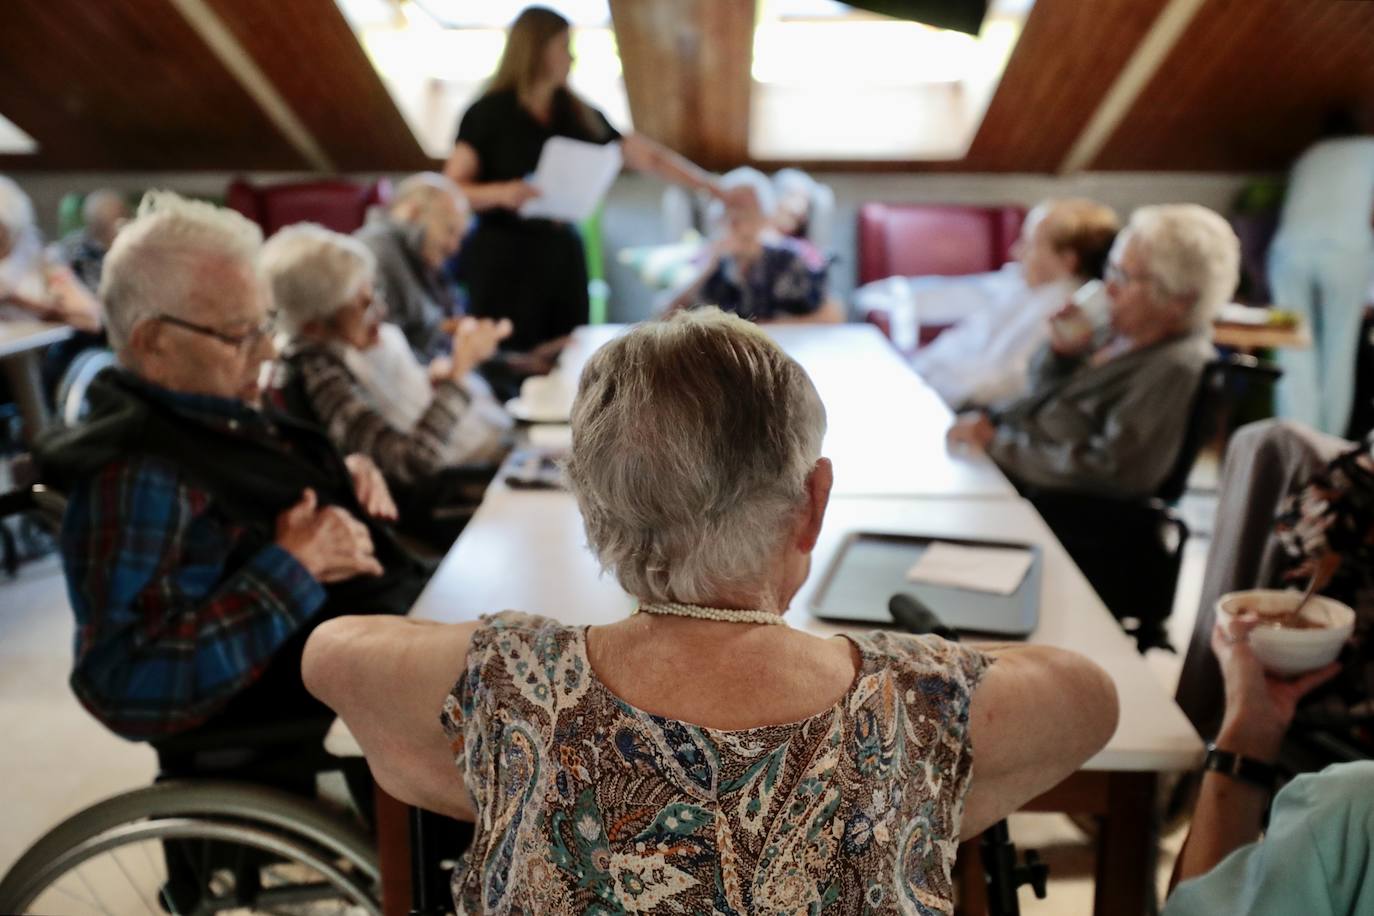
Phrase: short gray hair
(1192, 254)
(693, 438)
(155, 262)
(314, 272)
(745, 177)
(423, 188)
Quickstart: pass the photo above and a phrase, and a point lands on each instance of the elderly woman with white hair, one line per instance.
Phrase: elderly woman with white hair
(703, 755)
(1108, 408)
(331, 314)
(752, 271)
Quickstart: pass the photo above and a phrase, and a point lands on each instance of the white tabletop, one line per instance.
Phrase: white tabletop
(20, 336)
(886, 427)
(525, 550)
(519, 531)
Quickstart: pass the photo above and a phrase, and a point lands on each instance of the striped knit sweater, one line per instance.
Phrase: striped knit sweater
(351, 419)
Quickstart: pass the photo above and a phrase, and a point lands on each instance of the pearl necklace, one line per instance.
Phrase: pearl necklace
(698, 612)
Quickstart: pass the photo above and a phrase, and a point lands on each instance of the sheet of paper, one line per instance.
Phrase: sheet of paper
(572, 177)
(998, 570)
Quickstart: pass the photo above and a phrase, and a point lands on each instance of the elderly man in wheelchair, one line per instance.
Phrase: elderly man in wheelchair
(203, 540)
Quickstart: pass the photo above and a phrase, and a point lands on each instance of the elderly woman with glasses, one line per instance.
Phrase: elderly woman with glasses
(703, 755)
(1108, 407)
(323, 287)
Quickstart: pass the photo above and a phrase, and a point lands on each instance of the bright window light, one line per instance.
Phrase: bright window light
(13, 140)
(834, 83)
(435, 55)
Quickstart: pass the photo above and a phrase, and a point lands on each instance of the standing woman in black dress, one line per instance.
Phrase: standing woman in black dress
(534, 271)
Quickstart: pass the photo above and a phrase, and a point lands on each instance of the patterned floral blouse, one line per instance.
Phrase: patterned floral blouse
(587, 805)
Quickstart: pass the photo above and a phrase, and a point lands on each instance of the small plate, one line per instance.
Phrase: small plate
(526, 414)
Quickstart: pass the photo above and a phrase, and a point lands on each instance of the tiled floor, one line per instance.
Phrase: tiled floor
(57, 759)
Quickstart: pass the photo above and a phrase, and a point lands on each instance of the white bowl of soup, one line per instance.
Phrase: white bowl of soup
(1287, 645)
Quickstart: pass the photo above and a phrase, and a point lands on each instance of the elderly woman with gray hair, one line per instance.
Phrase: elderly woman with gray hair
(1107, 408)
(413, 421)
(752, 270)
(703, 755)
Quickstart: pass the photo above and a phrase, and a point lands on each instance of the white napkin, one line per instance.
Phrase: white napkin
(998, 570)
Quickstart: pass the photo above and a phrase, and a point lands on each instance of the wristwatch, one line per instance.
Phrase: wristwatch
(1237, 766)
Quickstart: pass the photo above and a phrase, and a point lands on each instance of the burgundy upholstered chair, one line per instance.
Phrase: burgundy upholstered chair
(335, 204)
(914, 240)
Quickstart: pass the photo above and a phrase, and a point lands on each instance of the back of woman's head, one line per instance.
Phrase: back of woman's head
(693, 438)
(522, 61)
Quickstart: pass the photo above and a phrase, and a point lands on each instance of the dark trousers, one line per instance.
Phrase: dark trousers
(533, 272)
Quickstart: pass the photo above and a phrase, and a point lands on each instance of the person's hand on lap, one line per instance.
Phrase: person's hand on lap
(331, 544)
(370, 487)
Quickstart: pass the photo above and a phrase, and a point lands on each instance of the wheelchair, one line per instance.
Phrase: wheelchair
(222, 831)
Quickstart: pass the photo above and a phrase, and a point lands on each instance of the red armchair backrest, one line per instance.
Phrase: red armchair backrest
(912, 240)
(338, 205)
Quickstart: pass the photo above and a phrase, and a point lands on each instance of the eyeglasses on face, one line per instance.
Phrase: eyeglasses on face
(1118, 275)
(240, 342)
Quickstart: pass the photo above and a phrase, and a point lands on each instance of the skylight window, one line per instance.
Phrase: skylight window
(435, 55)
(835, 83)
(13, 140)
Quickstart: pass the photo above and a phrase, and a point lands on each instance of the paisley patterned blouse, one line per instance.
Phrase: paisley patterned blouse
(587, 805)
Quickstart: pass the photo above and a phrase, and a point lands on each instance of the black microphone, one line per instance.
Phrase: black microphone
(913, 616)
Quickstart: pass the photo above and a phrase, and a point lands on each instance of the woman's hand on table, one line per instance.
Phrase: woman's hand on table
(971, 431)
(71, 301)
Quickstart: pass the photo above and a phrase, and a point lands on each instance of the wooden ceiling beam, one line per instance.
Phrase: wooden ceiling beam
(1149, 56)
(237, 61)
(687, 74)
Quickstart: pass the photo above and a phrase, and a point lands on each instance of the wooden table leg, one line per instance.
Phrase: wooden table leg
(1128, 847)
(393, 853)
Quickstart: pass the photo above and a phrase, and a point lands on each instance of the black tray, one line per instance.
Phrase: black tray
(870, 568)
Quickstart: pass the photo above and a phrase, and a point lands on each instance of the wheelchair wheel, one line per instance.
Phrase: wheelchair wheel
(200, 847)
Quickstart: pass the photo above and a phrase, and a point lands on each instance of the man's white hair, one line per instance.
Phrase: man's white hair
(693, 438)
(155, 263)
(16, 210)
(1190, 252)
(423, 188)
(314, 272)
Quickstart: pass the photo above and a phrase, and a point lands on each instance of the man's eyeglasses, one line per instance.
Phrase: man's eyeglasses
(241, 342)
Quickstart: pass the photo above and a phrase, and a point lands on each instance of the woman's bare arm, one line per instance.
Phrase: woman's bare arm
(645, 155)
(387, 677)
(1038, 714)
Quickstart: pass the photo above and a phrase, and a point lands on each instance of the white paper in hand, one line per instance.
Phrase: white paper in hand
(998, 570)
(572, 177)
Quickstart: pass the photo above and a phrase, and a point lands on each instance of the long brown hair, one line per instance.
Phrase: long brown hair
(523, 59)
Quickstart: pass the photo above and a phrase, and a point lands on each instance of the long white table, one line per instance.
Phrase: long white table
(885, 427)
(526, 550)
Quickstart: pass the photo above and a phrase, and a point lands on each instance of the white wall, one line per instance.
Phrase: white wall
(632, 211)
